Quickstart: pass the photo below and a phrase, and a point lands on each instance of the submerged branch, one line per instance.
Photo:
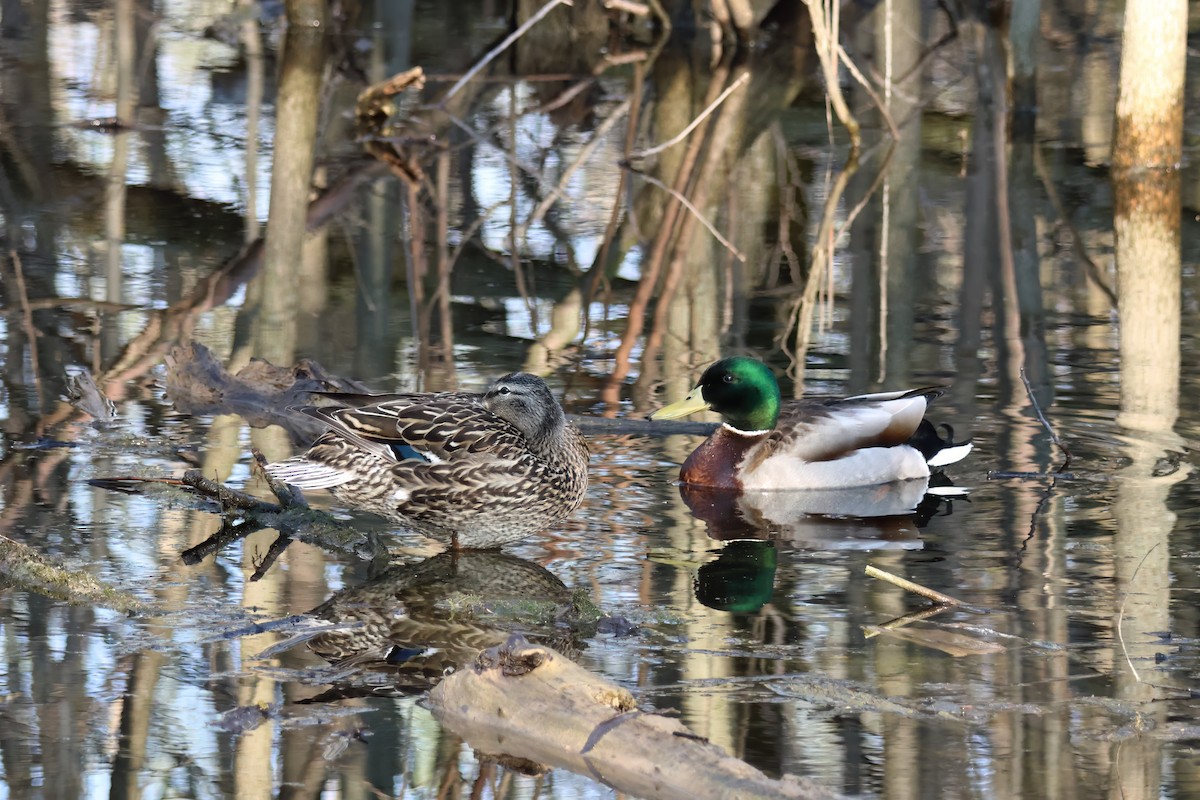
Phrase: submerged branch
(871, 631)
(1121, 616)
(1002, 474)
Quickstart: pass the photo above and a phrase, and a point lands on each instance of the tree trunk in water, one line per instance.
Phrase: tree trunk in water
(296, 110)
(1146, 154)
(1149, 131)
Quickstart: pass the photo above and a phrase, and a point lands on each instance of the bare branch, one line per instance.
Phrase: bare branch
(500, 48)
(691, 126)
(728, 245)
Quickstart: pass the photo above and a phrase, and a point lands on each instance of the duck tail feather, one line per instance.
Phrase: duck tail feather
(950, 454)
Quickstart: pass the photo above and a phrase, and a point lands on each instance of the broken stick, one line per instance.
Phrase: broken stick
(916, 588)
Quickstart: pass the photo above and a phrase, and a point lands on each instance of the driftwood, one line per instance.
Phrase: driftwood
(261, 393)
(532, 704)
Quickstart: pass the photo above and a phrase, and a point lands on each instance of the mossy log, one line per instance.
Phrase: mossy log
(525, 703)
(26, 568)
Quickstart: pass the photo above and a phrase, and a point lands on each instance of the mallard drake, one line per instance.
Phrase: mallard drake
(766, 444)
(471, 470)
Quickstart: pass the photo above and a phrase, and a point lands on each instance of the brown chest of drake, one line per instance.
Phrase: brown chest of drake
(717, 461)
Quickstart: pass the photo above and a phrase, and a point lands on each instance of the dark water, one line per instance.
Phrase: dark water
(1073, 676)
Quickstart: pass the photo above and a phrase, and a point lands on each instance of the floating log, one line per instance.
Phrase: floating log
(530, 703)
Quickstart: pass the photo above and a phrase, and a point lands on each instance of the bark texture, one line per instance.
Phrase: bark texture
(534, 704)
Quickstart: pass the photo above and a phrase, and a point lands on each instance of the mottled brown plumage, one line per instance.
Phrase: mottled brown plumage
(472, 470)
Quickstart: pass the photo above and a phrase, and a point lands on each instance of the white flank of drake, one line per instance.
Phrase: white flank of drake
(867, 467)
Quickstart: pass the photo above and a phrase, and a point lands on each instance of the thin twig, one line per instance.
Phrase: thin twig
(852, 68)
(683, 134)
(896, 580)
(637, 9)
(946, 38)
(288, 495)
(1045, 424)
(513, 193)
(1121, 615)
(597, 275)
(500, 48)
(728, 245)
(1001, 474)
(468, 233)
(557, 191)
(529, 169)
(664, 19)
(825, 18)
(657, 252)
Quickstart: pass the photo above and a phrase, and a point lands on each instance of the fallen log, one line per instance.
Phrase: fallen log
(530, 703)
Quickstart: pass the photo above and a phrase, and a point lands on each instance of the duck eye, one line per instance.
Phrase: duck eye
(727, 378)
(504, 390)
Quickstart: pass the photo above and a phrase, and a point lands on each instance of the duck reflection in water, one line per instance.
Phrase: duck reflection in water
(741, 578)
(406, 628)
(887, 516)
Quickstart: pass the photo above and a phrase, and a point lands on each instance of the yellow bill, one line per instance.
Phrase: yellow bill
(689, 405)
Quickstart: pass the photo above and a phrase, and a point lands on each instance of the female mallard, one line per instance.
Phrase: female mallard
(473, 470)
(765, 444)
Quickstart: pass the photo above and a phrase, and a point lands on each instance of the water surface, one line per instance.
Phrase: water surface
(1074, 673)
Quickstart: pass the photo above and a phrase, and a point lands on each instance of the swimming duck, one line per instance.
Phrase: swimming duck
(471, 470)
(766, 444)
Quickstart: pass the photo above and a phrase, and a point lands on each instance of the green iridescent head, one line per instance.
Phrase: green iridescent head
(742, 390)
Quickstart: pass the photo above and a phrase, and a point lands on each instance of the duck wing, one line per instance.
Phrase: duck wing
(825, 430)
(414, 429)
